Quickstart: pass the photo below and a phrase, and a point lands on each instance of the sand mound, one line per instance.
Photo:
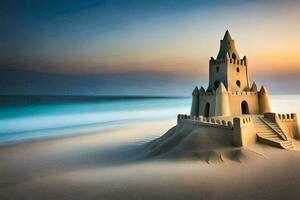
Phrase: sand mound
(197, 143)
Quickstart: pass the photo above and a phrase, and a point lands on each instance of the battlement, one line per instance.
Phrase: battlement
(240, 62)
(212, 93)
(245, 121)
(244, 93)
(204, 121)
(277, 117)
(292, 117)
(216, 122)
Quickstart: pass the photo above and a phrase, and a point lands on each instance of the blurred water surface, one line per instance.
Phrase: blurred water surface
(31, 118)
(35, 118)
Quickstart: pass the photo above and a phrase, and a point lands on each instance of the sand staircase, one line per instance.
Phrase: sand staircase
(269, 133)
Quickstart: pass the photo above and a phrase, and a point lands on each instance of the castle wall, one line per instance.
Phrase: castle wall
(241, 131)
(208, 98)
(244, 132)
(235, 101)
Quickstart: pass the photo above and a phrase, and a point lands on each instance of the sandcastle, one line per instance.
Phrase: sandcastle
(230, 104)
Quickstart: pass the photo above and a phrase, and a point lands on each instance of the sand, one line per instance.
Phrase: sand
(119, 164)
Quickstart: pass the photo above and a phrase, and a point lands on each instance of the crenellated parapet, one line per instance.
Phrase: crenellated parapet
(212, 93)
(292, 117)
(204, 121)
(227, 60)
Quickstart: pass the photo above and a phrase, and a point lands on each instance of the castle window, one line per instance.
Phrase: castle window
(238, 69)
(218, 68)
(233, 56)
(238, 83)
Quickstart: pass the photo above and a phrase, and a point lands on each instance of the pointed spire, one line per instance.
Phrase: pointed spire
(254, 87)
(195, 91)
(263, 90)
(227, 45)
(227, 36)
(202, 90)
(221, 89)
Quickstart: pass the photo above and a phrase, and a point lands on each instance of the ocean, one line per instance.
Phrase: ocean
(30, 118)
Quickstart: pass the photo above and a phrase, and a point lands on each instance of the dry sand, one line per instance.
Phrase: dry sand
(117, 165)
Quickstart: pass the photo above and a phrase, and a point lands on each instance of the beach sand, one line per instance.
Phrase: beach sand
(112, 165)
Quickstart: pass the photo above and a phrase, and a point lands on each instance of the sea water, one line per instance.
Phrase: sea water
(35, 118)
(30, 118)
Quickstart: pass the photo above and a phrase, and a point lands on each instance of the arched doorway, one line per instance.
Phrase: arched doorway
(245, 108)
(206, 111)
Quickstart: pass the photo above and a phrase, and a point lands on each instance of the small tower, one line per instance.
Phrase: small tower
(253, 87)
(222, 101)
(228, 67)
(195, 102)
(264, 100)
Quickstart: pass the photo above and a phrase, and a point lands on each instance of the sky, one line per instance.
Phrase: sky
(160, 38)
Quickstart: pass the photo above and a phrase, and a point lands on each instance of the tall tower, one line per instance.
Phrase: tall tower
(229, 92)
(228, 68)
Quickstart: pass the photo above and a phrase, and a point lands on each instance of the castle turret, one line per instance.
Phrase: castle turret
(253, 87)
(264, 104)
(222, 101)
(202, 93)
(202, 90)
(195, 102)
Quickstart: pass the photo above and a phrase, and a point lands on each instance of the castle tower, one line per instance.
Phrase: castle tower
(195, 102)
(228, 68)
(229, 92)
(264, 100)
(202, 97)
(222, 101)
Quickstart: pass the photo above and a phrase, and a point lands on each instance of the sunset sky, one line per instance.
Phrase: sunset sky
(173, 38)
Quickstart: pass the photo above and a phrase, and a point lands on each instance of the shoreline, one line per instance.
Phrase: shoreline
(57, 137)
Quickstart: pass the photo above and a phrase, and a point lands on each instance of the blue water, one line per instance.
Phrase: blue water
(25, 119)
(35, 119)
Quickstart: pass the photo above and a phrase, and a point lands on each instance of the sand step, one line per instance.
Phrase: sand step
(269, 133)
(264, 131)
(288, 145)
